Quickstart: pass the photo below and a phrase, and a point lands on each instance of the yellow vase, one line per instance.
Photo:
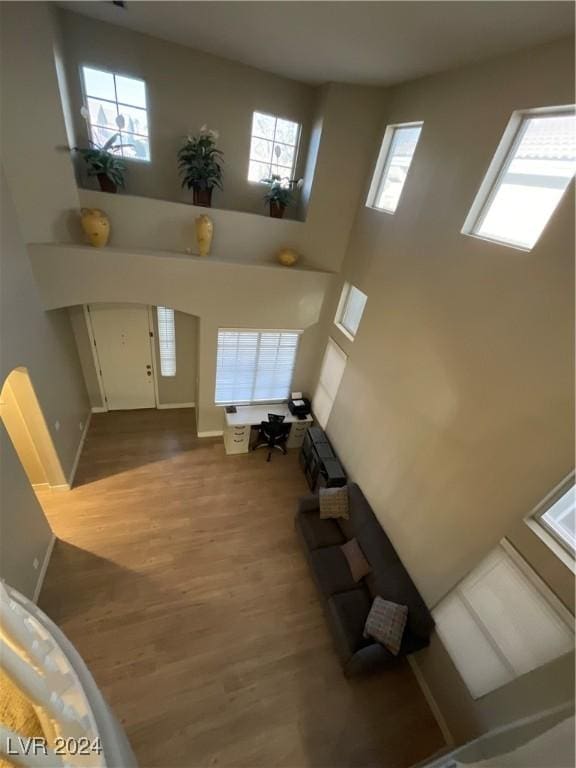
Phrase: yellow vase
(204, 234)
(288, 257)
(96, 226)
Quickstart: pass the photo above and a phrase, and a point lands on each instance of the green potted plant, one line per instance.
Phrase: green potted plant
(101, 162)
(200, 165)
(279, 194)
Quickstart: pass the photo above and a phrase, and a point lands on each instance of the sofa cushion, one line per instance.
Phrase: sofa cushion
(392, 581)
(359, 566)
(334, 502)
(386, 623)
(347, 612)
(319, 533)
(331, 570)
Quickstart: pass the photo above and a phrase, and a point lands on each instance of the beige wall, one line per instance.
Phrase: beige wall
(43, 343)
(186, 89)
(84, 347)
(181, 388)
(38, 167)
(455, 412)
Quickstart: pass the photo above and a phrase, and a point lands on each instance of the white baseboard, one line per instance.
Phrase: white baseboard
(432, 703)
(165, 406)
(214, 433)
(43, 569)
(78, 452)
(40, 486)
(99, 409)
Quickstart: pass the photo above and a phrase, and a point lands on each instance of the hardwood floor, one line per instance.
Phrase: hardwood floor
(179, 578)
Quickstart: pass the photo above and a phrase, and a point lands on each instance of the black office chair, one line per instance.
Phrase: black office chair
(273, 434)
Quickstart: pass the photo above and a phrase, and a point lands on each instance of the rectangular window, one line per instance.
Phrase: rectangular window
(331, 373)
(117, 104)
(254, 366)
(350, 310)
(393, 164)
(273, 147)
(502, 621)
(167, 341)
(557, 515)
(525, 182)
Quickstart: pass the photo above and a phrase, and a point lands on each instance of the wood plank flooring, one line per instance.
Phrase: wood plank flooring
(179, 578)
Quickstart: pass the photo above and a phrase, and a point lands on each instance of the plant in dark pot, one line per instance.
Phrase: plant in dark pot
(103, 162)
(200, 165)
(279, 194)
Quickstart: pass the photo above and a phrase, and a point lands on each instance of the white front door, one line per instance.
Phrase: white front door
(122, 336)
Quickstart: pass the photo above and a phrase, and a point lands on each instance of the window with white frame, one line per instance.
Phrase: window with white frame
(254, 366)
(350, 310)
(394, 160)
(530, 172)
(333, 365)
(557, 515)
(502, 621)
(273, 147)
(166, 341)
(116, 104)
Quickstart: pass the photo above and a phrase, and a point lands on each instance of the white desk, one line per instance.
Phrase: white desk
(239, 425)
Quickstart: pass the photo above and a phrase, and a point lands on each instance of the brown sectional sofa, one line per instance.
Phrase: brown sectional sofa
(347, 603)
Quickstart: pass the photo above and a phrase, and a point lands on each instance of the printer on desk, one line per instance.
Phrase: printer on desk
(299, 406)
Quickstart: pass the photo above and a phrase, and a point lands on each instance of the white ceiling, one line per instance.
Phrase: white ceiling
(376, 43)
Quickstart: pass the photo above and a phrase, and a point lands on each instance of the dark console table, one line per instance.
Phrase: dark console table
(319, 462)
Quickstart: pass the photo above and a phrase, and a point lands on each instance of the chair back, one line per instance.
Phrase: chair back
(274, 428)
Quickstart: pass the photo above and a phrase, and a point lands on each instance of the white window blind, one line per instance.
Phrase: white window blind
(331, 373)
(527, 178)
(396, 153)
(254, 366)
(167, 341)
(350, 309)
(558, 516)
(501, 622)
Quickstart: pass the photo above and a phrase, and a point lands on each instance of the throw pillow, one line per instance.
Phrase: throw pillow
(334, 502)
(386, 622)
(359, 566)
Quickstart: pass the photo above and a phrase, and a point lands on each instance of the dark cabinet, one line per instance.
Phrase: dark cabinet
(319, 462)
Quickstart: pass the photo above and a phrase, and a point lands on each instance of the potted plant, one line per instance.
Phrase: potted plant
(101, 162)
(279, 194)
(200, 165)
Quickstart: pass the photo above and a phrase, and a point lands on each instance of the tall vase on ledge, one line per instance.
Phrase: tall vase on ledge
(204, 234)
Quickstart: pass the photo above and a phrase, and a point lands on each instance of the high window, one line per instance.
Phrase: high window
(254, 366)
(529, 174)
(117, 104)
(393, 164)
(273, 147)
(331, 373)
(350, 310)
(557, 515)
(167, 341)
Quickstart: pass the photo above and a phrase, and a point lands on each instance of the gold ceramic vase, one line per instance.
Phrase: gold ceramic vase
(96, 226)
(204, 234)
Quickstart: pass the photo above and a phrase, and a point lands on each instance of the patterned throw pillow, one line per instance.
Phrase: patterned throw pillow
(386, 622)
(334, 502)
(359, 566)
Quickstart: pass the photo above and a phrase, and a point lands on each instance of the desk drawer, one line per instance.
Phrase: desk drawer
(237, 439)
(297, 434)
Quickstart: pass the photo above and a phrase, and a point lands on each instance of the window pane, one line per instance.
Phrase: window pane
(167, 341)
(99, 84)
(258, 171)
(138, 147)
(283, 155)
(102, 113)
(254, 366)
(533, 182)
(353, 309)
(561, 518)
(286, 131)
(263, 125)
(135, 120)
(400, 154)
(130, 91)
(261, 149)
(101, 135)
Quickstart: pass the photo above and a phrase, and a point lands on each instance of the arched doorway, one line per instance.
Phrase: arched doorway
(24, 420)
